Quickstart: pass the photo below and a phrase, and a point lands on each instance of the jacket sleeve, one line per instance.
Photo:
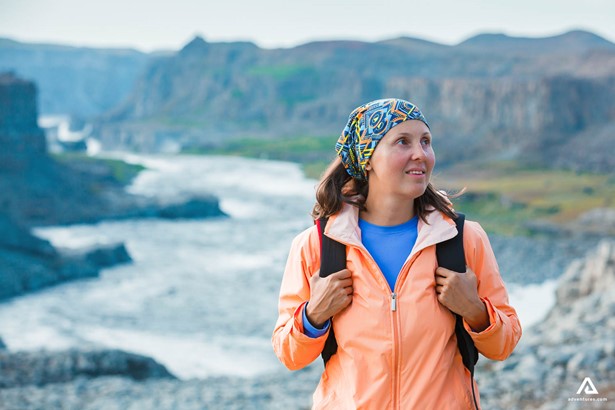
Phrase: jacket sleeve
(293, 347)
(498, 341)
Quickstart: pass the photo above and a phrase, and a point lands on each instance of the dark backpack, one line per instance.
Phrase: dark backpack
(450, 255)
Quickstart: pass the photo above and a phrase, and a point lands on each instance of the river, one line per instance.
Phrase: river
(201, 295)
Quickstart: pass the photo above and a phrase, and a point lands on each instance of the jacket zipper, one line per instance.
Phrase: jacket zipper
(396, 362)
(396, 349)
(396, 336)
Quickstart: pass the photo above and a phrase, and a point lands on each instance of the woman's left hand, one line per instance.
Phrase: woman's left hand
(459, 293)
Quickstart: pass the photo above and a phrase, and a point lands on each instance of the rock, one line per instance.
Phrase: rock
(194, 208)
(588, 358)
(40, 368)
(531, 369)
(606, 365)
(22, 272)
(543, 258)
(574, 341)
(273, 392)
(17, 237)
(556, 358)
(598, 220)
(106, 256)
(22, 141)
(28, 263)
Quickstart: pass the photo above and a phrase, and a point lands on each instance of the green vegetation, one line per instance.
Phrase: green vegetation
(119, 170)
(504, 197)
(280, 72)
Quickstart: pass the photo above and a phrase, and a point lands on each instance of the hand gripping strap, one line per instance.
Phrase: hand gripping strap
(332, 259)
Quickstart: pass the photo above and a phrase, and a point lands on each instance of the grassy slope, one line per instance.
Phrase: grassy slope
(503, 196)
(122, 172)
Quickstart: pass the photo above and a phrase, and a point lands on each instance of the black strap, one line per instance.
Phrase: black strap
(332, 259)
(332, 253)
(451, 255)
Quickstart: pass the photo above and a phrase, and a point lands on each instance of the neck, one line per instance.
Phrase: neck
(387, 211)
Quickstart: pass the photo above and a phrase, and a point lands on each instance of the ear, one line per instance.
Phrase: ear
(368, 166)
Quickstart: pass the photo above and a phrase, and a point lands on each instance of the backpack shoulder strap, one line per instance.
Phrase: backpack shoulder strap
(450, 255)
(332, 253)
(332, 259)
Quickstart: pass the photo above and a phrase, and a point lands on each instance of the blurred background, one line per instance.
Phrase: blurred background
(157, 160)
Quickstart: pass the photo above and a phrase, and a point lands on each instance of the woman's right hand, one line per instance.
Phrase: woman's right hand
(328, 296)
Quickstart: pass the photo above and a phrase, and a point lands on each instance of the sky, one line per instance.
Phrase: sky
(149, 25)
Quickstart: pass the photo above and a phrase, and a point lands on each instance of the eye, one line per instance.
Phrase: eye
(425, 141)
(401, 141)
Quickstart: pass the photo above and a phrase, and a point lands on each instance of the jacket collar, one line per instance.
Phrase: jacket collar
(344, 227)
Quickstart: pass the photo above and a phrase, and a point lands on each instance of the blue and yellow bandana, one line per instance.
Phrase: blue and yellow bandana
(366, 126)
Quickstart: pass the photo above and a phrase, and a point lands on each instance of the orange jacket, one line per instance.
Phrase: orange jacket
(405, 358)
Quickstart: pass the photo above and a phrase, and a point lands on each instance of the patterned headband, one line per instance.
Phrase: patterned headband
(366, 126)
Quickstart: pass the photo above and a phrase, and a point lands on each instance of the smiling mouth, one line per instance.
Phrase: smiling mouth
(415, 172)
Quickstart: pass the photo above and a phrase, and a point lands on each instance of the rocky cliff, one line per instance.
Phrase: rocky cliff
(575, 341)
(491, 96)
(74, 81)
(22, 141)
(36, 190)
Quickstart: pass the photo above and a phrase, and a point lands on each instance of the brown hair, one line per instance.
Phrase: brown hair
(337, 187)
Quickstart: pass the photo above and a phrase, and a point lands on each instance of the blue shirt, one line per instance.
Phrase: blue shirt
(389, 246)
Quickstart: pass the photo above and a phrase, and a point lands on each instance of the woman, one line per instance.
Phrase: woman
(392, 308)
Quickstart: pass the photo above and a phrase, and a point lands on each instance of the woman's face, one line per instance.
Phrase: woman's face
(402, 162)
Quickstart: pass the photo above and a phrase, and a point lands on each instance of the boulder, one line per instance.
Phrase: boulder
(574, 341)
(41, 368)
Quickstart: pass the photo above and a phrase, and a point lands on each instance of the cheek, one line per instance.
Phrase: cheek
(430, 158)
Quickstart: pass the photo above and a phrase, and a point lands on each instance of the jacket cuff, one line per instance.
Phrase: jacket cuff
(311, 330)
(299, 328)
(494, 322)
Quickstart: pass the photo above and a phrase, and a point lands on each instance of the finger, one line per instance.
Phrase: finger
(441, 280)
(347, 301)
(440, 271)
(349, 290)
(343, 274)
(345, 283)
(439, 289)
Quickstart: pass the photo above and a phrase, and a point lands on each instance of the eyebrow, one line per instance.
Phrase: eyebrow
(410, 135)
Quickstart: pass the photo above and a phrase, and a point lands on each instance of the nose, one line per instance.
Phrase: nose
(417, 152)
